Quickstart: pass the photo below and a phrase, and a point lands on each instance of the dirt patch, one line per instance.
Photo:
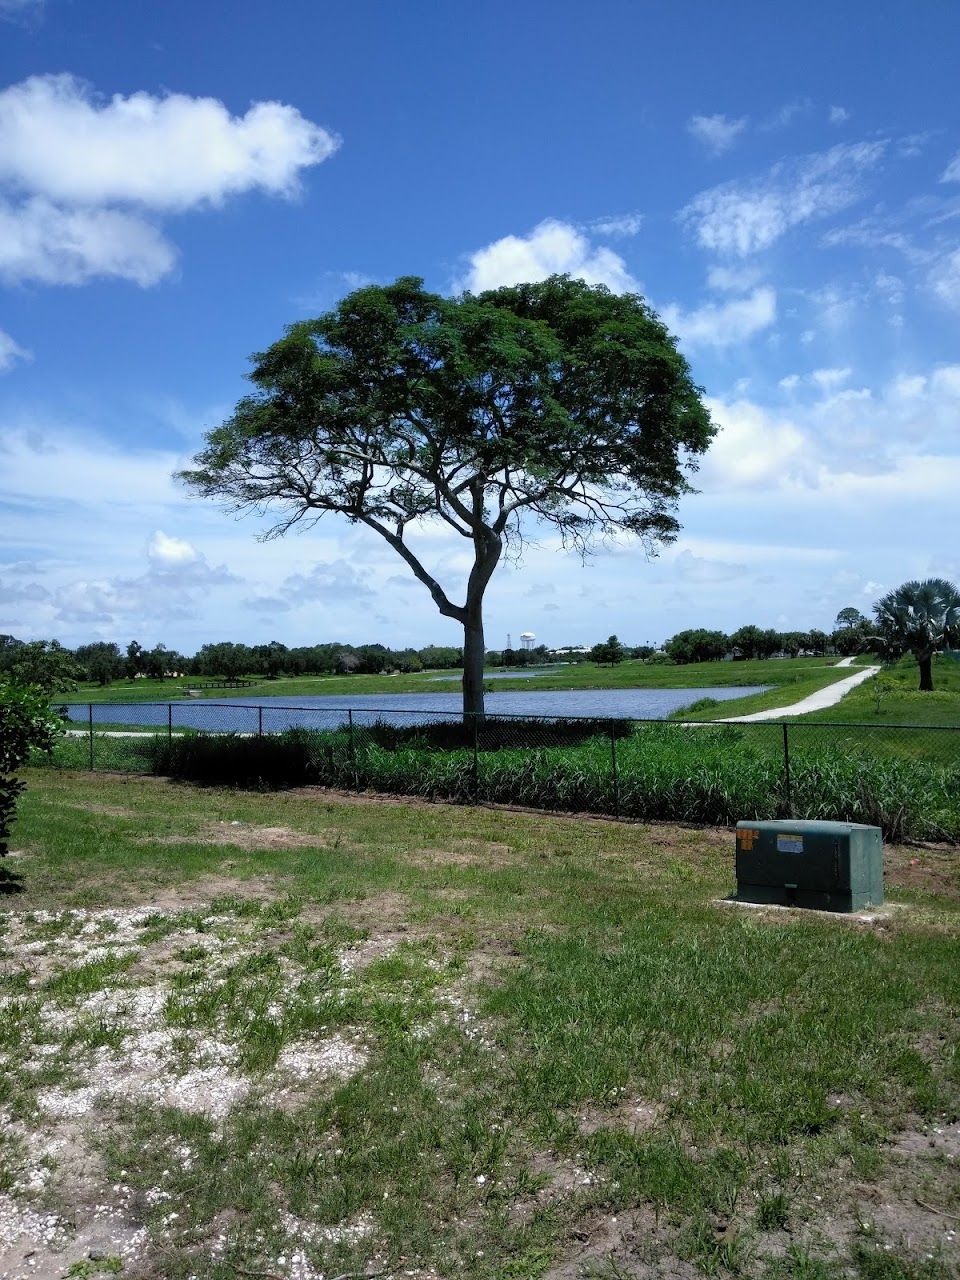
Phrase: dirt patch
(637, 1115)
(633, 1243)
(941, 1139)
(380, 913)
(243, 835)
(106, 810)
(463, 853)
(927, 868)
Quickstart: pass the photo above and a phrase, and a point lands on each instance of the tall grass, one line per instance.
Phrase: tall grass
(705, 774)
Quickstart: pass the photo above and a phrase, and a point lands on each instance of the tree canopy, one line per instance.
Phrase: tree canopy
(919, 618)
(557, 401)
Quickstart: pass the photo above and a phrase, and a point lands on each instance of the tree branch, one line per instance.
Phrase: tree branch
(440, 598)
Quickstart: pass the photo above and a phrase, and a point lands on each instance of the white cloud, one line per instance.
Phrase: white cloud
(952, 172)
(876, 232)
(839, 115)
(20, 593)
(173, 152)
(851, 439)
(71, 164)
(10, 352)
(835, 307)
(702, 569)
(51, 466)
(889, 287)
(718, 133)
(945, 279)
(552, 247)
(326, 583)
(167, 552)
(624, 224)
(743, 218)
(827, 379)
(39, 241)
(724, 324)
(822, 379)
(754, 449)
(912, 144)
(735, 279)
(787, 114)
(177, 580)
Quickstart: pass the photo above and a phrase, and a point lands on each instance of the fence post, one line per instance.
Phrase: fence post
(90, 723)
(616, 772)
(169, 723)
(788, 799)
(353, 749)
(476, 758)
(259, 722)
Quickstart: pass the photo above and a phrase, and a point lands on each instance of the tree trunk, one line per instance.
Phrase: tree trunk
(474, 654)
(926, 672)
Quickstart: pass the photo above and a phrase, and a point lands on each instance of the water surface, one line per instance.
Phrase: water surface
(327, 711)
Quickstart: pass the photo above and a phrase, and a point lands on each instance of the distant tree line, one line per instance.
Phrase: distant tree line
(51, 665)
(852, 633)
(102, 661)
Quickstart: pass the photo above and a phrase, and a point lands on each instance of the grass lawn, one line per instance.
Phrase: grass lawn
(901, 702)
(311, 1035)
(811, 673)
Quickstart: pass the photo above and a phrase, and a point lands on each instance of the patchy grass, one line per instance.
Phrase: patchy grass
(418, 1040)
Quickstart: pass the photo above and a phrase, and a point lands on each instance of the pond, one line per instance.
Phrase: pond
(325, 712)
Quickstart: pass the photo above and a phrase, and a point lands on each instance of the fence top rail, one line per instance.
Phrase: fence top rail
(453, 712)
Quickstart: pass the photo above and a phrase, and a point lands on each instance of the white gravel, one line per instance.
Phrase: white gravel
(179, 1066)
(305, 1059)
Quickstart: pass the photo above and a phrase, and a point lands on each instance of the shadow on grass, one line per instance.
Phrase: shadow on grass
(11, 881)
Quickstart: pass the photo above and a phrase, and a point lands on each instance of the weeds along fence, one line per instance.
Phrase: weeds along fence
(903, 778)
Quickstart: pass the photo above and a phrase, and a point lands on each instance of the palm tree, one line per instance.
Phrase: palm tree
(919, 618)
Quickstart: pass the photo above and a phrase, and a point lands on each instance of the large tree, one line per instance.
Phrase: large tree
(919, 618)
(556, 401)
(697, 645)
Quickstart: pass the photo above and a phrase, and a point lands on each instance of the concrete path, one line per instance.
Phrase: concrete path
(818, 701)
(847, 662)
(117, 733)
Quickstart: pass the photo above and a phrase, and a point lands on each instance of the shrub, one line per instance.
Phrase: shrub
(26, 723)
(712, 774)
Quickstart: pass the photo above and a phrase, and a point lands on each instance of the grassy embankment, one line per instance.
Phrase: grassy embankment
(795, 673)
(297, 1034)
(901, 702)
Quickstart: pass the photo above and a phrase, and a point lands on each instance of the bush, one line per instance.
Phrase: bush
(702, 774)
(294, 758)
(26, 723)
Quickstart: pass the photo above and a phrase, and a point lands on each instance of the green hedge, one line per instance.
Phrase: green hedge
(705, 774)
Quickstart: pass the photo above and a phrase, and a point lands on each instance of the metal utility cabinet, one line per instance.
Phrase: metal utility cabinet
(832, 866)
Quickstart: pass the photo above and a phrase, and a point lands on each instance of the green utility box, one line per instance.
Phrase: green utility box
(832, 866)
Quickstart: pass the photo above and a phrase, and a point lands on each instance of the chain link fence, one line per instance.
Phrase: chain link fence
(905, 778)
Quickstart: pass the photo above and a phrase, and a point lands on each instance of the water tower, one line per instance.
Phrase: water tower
(526, 640)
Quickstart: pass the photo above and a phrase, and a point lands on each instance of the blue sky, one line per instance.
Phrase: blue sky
(179, 181)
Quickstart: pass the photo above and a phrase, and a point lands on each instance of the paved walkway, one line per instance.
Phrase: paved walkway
(818, 701)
